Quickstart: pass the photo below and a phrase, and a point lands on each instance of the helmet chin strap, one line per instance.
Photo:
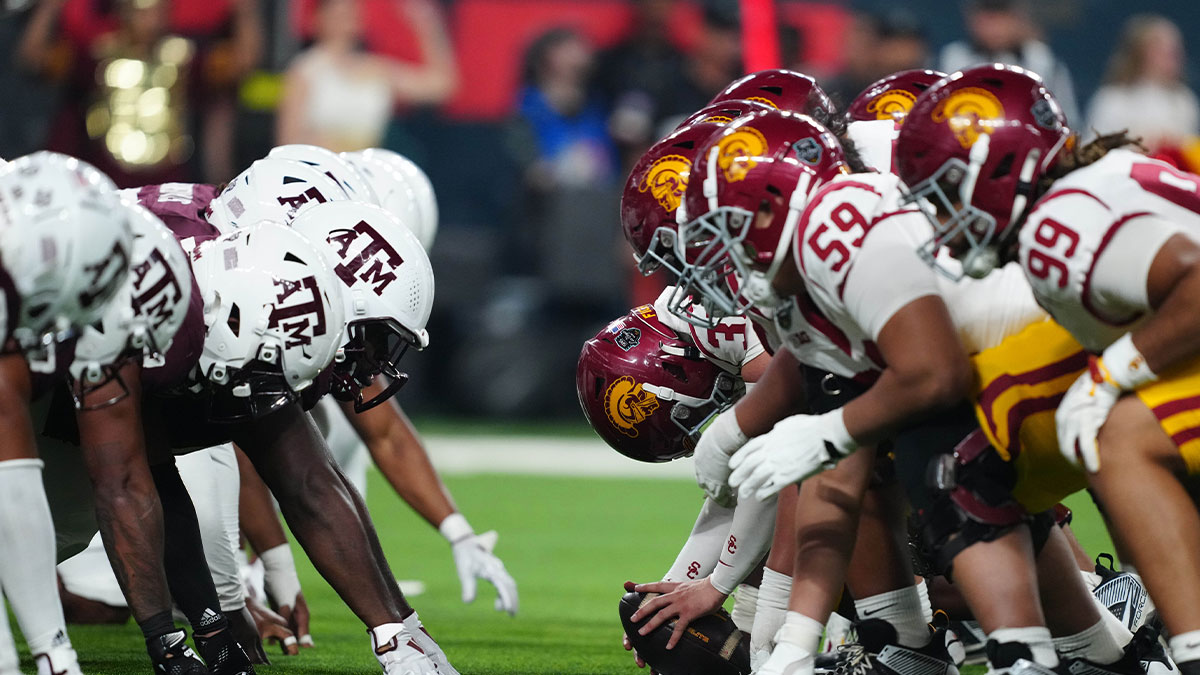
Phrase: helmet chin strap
(975, 162)
(1025, 186)
(710, 179)
(668, 394)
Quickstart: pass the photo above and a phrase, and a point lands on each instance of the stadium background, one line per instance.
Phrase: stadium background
(512, 309)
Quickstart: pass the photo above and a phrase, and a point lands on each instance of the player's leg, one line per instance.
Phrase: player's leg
(8, 651)
(775, 589)
(1151, 512)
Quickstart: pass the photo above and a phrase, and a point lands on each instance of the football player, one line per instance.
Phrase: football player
(1106, 237)
(64, 250)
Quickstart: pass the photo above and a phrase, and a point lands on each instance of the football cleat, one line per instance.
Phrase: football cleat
(1014, 658)
(789, 659)
(171, 655)
(223, 654)
(1123, 593)
(60, 660)
(876, 653)
(400, 654)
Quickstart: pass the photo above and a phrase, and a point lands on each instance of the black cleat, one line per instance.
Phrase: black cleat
(171, 655)
(223, 654)
(876, 653)
(1123, 593)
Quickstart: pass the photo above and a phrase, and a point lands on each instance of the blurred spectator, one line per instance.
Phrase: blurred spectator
(859, 67)
(136, 91)
(714, 62)
(339, 96)
(1144, 90)
(902, 44)
(636, 77)
(1002, 31)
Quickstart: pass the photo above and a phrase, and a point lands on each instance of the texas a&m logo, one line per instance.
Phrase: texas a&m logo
(374, 262)
(304, 318)
(312, 194)
(156, 291)
(104, 275)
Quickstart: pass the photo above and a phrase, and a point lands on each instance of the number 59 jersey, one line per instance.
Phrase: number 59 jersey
(1087, 245)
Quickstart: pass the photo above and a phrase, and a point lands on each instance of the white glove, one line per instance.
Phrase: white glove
(423, 640)
(711, 459)
(1086, 405)
(473, 558)
(798, 447)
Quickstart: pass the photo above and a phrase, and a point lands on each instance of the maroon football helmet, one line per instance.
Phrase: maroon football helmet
(772, 161)
(650, 203)
(646, 391)
(781, 89)
(892, 97)
(994, 127)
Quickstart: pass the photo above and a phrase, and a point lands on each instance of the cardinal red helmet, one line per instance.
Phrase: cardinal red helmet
(892, 97)
(781, 89)
(654, 190)
(646, 391)
(974, 146)
(753, 180)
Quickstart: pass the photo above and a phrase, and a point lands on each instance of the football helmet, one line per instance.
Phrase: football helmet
(331, 164)
(891, 97)
(274, 319)
(272, 189)
(65, 241)
(395, 193)
(993, 127)
(782, 89)
(422, 189)
(751, 182)
(647, 392)
(143, 316)
(653, 194)
(387, 288)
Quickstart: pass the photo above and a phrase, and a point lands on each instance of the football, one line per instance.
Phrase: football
(712, 645)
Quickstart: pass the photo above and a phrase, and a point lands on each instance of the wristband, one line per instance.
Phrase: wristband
(1124, 365)
(281, 580)
(839, 437)
(455, 528)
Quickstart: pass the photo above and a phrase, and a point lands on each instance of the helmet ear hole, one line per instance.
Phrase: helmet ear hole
(235, 320)
(291, 257)
(675, 371)
(1004, 167)
(598, 388)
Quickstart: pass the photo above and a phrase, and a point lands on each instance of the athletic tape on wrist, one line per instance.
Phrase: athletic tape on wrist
(1126, 365)
(282, 582)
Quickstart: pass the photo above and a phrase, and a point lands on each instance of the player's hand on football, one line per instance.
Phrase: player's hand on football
(641, 663)
(796, 448)
(474, 560)
(297, 617)
(711, 458)
(1079, 417)
(682, 601)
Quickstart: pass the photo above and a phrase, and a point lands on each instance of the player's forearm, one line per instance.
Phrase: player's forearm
(749, 539)
(401, 459)
(777, 394)
(1168, 338)
(702, 549)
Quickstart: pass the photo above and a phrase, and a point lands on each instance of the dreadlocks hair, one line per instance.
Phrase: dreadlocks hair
(1073, 157)
(837, 125)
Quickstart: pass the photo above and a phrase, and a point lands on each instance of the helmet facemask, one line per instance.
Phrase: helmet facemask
(373, 347)
(692, 414)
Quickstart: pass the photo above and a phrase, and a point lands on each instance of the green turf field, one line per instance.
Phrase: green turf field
(569, 542)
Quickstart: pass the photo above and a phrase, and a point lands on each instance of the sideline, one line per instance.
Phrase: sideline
(543, 455)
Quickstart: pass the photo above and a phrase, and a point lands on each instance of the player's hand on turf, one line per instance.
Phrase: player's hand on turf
(474, 560)
(273, 628)
(1079, 417)
(717, 444)
(297, 617)
(682, 601)
(796, 448)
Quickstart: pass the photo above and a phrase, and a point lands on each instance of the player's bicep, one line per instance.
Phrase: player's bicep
(888, 275)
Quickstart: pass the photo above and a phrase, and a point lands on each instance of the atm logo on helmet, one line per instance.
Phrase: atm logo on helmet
(300, 322)
(891, 105)
(628, 405)
(970, 112)
(666, 179)
(737, 150)
(375, 263)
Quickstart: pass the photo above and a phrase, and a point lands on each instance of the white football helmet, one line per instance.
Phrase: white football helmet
(387, 288)
(144, 315)
(331, 164)
(395, 193)
(422, 190)
(274, 319)
(272, 189)
(65, 241)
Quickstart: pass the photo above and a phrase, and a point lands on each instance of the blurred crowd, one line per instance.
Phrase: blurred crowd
(155, 91)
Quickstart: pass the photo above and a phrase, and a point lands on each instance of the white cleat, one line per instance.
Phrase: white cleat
(398, 653)
(59, 660)
(425, 642)
(787, 659)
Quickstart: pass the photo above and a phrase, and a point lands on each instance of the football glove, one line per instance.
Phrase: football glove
(711, 459)
(1086, 405)
(796, 448)
(474, 560)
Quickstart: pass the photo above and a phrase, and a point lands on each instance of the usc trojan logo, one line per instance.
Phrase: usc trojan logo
(666, 179)
(764, 101)
(627, 405)
(891, 105)
(970, 113)
(737, 150)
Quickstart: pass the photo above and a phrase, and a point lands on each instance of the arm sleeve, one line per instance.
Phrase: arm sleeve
(703, 547)
(1120, 274)
(887, 275)
(749, 540)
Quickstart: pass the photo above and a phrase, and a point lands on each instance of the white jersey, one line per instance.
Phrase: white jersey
(730, 345)
(875, 141)
(1087, 245)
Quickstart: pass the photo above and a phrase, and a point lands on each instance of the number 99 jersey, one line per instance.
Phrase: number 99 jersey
(1088, 243)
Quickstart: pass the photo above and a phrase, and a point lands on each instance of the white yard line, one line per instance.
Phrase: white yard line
(541, 455)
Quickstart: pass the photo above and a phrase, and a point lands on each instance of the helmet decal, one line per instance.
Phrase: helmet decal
(764, 101)
(155, 295)
(295, 320)
(1046, 115)
(968, 112)
(667, 179)
(737, 150)
(381, 271)
(104, 276)
(628, 405)
(808, 150)
(891, 103)
(628, 338)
